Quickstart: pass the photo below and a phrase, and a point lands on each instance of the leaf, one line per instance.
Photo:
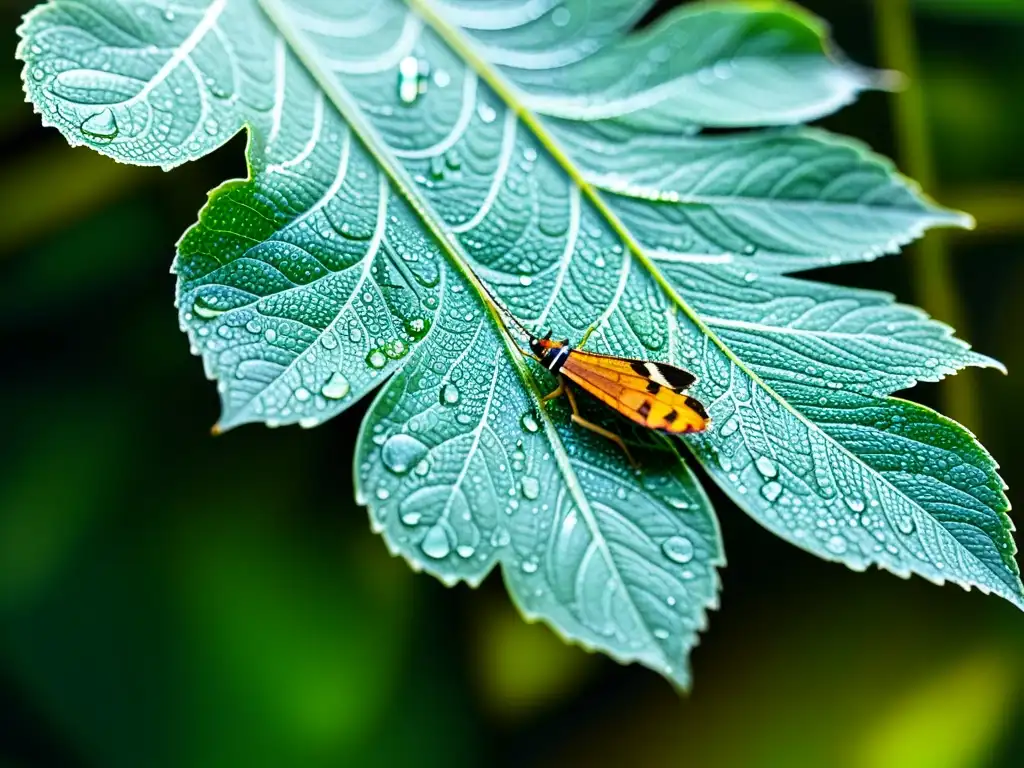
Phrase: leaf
(400, 153)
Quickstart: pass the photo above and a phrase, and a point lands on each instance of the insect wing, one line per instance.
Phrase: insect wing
(645, 399)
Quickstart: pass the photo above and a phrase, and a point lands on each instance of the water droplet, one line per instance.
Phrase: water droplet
(465, 551)
(402, 452)
(836, 545)
(661, 634)
(376, 359)
(525, 280)
(560, 16)
(412, 79)
(906, 524)
(383, 493)
(855, 505)
(500, 537)
(486, 112)
(417, 328)
(302, 394)
(766, 467)
(529, 423)
(336, 387)
(422, 468)
(449, 394)
(678, 549)
(412, 518)
(729, 427)
(102, 125)
(530, 487)
(771, 491)
(206, 308)
(529, 566)
(435, 543)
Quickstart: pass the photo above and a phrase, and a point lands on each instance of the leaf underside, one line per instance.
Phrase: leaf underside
(397, 150)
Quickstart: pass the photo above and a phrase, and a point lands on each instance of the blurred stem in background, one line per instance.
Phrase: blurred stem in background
(931, 270)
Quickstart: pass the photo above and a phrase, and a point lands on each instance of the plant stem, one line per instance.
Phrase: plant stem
(930, 265)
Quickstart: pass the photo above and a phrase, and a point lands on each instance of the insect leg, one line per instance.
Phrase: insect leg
(617, 439)
(558, 392)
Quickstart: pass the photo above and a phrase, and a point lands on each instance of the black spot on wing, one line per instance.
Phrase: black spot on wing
(639, 368)
(671, 416)
(677, 378)
(644, 409)
(695, 405)
(653, 387)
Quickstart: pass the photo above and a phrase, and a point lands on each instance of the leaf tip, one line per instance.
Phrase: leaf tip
(217, 430)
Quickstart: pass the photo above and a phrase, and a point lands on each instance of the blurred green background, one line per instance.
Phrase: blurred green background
(171, 599)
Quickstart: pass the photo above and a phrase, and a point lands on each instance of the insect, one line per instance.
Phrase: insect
(650, 394)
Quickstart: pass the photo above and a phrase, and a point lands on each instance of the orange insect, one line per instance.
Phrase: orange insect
(650, 394)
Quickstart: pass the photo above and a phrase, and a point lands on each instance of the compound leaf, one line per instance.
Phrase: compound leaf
(400, 154)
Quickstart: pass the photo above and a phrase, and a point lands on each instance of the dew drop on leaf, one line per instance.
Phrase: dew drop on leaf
(376, 359)
(906, 524)
(771, 491)
(336, 387)
(836, 545)
(678, 549)
(102, 125)
(435, 543)
(766, 467)
(531, 487)
(206, 308)
(855, 505)
(449, 394)
(402, 452)
(529, 423)
(412, 80)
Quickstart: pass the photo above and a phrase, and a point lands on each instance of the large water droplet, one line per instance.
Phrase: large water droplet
(766, 467)
(771, 491)
(561, 16)
(401, 453)
(417, 328)
(102, 125)
(376, 359)
(678, 549)
(500, 537)
(531, 487)
(529, 566)
(906, 524)
(435, 543)
(413, 78)
(529, 423)
(836, 545)
(449, 394)
(336, 387)
(206, 308)
(855, 505)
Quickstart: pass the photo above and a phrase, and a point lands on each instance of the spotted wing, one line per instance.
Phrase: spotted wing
(647, 393)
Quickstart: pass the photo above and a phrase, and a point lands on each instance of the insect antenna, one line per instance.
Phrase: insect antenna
(505, 312)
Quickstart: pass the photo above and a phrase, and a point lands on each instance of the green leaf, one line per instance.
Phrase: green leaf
(399, 154)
